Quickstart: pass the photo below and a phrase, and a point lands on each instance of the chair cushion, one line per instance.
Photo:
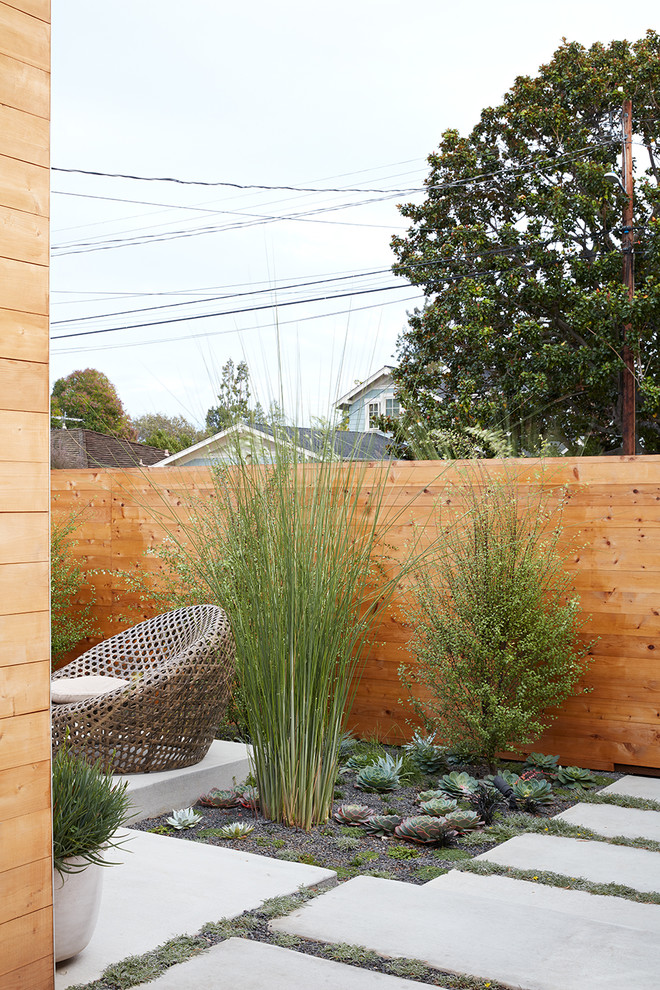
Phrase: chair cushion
(65, 690)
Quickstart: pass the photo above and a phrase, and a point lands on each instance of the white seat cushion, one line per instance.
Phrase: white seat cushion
(67, 689)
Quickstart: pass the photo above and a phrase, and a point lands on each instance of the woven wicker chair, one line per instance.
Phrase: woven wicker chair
(180, 666)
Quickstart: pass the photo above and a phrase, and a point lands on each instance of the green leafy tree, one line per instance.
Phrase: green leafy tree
(517, 246)
(173, 433)
(233, 399)
(496, 621)
(89, 400)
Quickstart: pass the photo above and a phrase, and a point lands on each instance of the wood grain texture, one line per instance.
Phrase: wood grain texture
(23, 537)
(24, 638)
(23, 336)
(24, 688)
(24, 136)
(24, 739)
(23, 387)
(20, 938)
(23, 839)
(23, 587)
(23, 287)
(24, 37)
(23, 236)
(26, 889)
(24, 789)
(26, 436)
(37, 975)
(24, 87)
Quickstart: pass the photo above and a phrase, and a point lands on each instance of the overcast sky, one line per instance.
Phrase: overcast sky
(349, 95)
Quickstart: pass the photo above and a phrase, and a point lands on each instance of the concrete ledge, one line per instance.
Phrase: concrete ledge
(155, 794)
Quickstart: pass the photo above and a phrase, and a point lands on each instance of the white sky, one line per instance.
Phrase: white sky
(349, 94)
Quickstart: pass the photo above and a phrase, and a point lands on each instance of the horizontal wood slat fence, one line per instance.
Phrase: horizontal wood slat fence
(611, 523)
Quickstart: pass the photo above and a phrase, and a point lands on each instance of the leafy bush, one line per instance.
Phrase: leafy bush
(496, 622)
(69, 623)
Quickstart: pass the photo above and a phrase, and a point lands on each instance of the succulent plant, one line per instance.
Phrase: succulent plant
(353, 814)
(533, 794)
(219, 799)
(507, 775)
(384, 775)
(347, 742)
(439, 807)
(457, 785)
(184, 818)
(426, 830)
(431, 796)
(486, 800)
(539, 761)
(575, 777)
(382, 825)
(249, 798)
(235, 830)
(428, 757)
(464, 821)
(359, 760)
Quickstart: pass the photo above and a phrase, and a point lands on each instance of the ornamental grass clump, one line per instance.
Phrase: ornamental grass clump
(496, 620)
(292, 551)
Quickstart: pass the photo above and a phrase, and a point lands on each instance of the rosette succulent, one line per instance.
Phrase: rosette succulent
(533, 794)
(575, 777)
(360, 760)
(539, 761)
(384, 775)
(184, 818)
(431, 796)
(426, 756)
(457, 784)
(235, 830)
(426, 830)
(353, 814)
(382, 826)
(219, 799)
(439, 807)
(464, 821)
(249, 798)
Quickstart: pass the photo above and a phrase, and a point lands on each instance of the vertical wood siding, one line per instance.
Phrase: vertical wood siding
(26, 941)
(612, 516)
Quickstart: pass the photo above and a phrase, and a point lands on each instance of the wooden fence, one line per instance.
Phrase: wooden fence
(613, 516)
(26, 885)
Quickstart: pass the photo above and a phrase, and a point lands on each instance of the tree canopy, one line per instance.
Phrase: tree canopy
(88, 400)
(233, 399)
(173, 433)
(517, 246)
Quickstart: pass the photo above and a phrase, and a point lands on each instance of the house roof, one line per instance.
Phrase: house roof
(384, 372)
(89, 449)
(369, 445)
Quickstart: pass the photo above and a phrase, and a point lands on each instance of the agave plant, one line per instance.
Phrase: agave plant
(384, 775)
(382, 826)
(184, 818)
(439, 807)
(353, 814)
(249, 798)
(235, 830)
(426, 830)
(464, 821)
(428, 757)
(539, 761)
(575, 777)
(533, 794)
(219, 799)
(457, 785)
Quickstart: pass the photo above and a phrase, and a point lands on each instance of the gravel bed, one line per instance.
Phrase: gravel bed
(347, 850)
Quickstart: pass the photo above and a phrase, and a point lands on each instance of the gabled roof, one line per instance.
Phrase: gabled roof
(308, 441)
(384, 372)
(80, 448)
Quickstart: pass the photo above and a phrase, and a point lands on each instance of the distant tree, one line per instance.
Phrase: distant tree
(173, 433)
(517, 246)
(233, 400)
(88, 400)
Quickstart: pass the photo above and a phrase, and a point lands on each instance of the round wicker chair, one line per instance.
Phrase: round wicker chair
(180, 666)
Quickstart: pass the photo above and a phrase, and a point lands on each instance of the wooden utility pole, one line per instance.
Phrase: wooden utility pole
(627, 247)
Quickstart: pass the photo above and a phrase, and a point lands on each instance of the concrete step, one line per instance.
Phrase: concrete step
(166, 887)
(521, 934)
(610, 820)
(599, 862)
(159, 793)
(255, 965)
(639, 787)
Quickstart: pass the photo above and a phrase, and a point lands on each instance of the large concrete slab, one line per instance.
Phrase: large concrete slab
(572, 941)
(610, 820)
(599, 862)
(254, 965)
(166, 887)
(155, 794)
(639, 787)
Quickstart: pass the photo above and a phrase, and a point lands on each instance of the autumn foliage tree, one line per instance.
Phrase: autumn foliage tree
(88, 400)
(517, 246)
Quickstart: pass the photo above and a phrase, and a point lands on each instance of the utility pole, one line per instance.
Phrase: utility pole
(627, 247)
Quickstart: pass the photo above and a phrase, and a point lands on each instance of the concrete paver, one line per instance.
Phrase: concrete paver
(166, 887)
(467, 931)
(639, 787)
(599, 862)
(610, 820)
(254, 965)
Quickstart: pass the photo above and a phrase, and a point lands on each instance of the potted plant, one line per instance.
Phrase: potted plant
(88, 809)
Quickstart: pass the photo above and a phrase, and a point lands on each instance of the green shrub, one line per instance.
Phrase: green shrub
(69, 622)
(496, 622)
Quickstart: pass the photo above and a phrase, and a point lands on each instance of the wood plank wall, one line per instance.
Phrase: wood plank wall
(613, 516)
(26, 949)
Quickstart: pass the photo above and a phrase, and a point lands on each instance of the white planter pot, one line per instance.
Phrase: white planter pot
(76, 908)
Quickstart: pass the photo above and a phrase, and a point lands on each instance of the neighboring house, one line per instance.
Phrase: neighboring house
(369, 400)
(89, 449)
(257, 445)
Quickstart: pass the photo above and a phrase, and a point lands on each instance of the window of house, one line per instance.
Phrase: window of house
(374, 413)
(392, 408)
